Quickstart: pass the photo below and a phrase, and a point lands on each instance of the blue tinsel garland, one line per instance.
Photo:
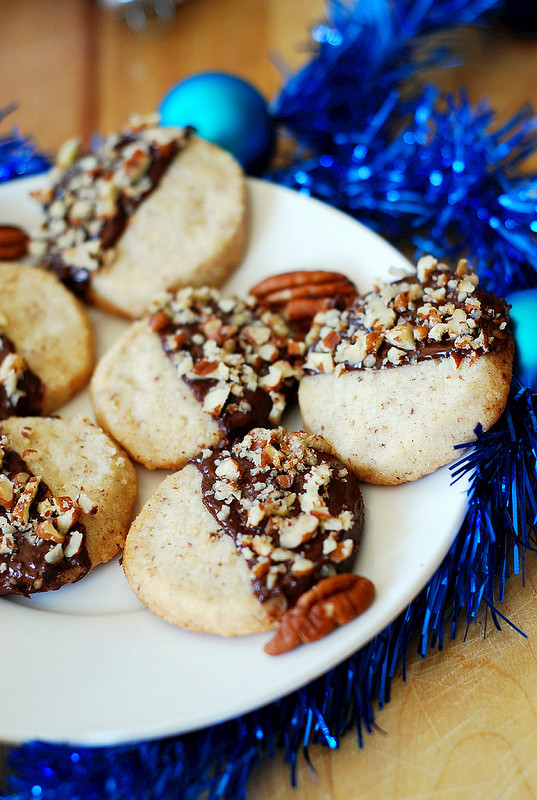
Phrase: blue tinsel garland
(500, 525)
(422, 167)
(18, 155)
(446, 183)
(416, 166)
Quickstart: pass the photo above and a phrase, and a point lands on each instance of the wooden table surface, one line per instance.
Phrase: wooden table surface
(465, 721)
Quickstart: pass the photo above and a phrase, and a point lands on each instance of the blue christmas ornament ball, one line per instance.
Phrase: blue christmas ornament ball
(523, 316)
(225, 110)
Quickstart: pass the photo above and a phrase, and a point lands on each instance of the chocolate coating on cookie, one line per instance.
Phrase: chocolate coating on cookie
(238, 360)
(91, 197)
(436, 313)
(21, 391)
(51, 341)
(293, 510)
(42, 543)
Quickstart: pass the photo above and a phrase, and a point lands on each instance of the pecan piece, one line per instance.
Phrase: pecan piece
(302, 294)
(158, 321)
(330, 603)
(13, 242)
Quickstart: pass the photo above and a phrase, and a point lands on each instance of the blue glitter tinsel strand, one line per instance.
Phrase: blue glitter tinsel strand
(18, 155)
(419, 166)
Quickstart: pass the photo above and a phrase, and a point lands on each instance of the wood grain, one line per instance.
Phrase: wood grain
(75, 68)
(465, 721)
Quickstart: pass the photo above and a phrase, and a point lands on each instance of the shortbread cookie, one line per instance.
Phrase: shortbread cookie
(229, 542)
(150, 209)
(202, 370)
(398, 380)
(66, 498)
(47, 353)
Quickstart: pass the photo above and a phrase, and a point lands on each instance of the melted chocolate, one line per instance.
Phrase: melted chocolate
(78, 279)
(493, 313)
(30, 387)
(239, 414)
(235, 420)
(25, 570)
(342, 494)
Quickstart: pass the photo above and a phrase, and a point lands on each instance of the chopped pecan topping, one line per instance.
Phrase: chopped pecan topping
(294, 512)
(41, 538)
(435, 313)
(21, 390)
(90, 196)
(327, 605)
(235, 357)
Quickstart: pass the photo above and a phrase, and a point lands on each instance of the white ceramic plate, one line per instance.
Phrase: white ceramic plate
(90, 665)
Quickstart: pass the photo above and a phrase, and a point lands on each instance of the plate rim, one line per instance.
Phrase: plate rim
(257, 185)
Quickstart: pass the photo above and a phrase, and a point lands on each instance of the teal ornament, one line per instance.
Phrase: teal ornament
(225, 110)
(523, 316)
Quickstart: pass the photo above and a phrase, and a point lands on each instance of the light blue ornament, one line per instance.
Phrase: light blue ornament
(523, 316)
(225, 110)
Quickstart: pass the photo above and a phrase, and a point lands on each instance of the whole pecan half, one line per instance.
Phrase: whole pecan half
(300, 295)
(329, 604)
(13, 242)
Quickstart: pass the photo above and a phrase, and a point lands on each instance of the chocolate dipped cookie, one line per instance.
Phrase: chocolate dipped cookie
(398, 379)
(147, 210)
(46, 342)
(230, 542)
(199, 372)
(66, 498)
